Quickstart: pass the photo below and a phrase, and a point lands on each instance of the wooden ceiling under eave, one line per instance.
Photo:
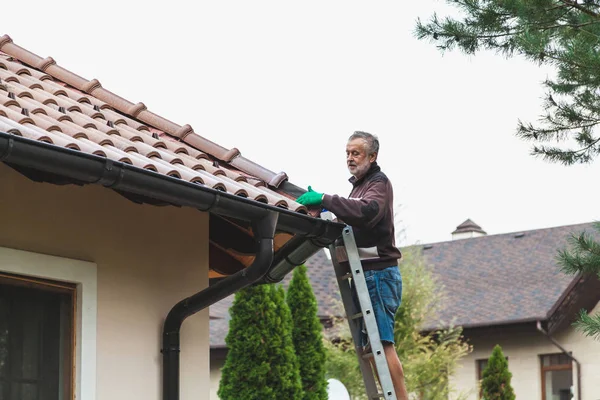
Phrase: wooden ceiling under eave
(232, 246)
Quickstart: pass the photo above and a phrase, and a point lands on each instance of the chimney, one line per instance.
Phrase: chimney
(467, 229)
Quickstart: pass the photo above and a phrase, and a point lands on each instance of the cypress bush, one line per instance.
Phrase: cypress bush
(495, 384)
(307, 336)
(261, 363)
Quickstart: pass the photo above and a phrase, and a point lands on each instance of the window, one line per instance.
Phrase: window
(36, 339)
(481, 365)
(557, 377)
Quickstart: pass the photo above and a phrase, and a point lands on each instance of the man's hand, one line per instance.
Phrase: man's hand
(310, 198)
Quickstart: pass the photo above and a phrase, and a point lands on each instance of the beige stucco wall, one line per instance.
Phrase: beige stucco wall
(147, 258)
(523, 350)
(216, 364)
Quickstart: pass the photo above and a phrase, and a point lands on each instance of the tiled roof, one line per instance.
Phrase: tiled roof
(43, 101)
(498, 279)
(488, 280)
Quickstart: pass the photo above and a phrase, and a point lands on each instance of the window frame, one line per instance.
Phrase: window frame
(559, 367)
(57, 288)
(83, 276)
(479, 373)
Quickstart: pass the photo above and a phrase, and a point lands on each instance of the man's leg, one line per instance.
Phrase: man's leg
(396, 371)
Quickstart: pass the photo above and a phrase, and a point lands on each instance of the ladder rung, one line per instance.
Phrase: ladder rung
(357, 316)
(346, 276)
(368, 355)
(380, 396)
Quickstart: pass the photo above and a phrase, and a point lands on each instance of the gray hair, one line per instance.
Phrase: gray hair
(372, 141)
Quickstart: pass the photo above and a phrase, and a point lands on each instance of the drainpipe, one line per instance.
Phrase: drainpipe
(264, 231)
(565, 352)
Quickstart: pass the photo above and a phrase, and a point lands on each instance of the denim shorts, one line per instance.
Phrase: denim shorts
(385, 290)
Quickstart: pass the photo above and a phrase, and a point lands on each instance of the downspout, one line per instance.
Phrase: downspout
(565, 352)
(264, 232)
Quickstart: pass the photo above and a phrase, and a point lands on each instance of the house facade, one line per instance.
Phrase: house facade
(127, 270)
(502, 289)
(508, 290)
(119, 228)
(540, 369)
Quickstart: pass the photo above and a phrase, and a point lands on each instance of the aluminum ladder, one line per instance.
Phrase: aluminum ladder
(365, 314)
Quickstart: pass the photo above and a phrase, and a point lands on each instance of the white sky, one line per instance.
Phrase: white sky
(288, 82)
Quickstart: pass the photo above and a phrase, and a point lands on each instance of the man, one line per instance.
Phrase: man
(369, 210)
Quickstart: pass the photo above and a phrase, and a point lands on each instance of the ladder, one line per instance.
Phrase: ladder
(357, 318)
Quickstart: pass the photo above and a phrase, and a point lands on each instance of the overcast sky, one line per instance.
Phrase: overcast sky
(288, 82)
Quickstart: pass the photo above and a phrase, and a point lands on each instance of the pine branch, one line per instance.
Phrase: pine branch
(589, 324)
(583, 256)
(574, 4)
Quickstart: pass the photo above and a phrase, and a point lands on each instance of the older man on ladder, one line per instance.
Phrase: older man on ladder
(369, 210)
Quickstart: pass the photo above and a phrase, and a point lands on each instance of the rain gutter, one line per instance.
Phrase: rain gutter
(85, 168)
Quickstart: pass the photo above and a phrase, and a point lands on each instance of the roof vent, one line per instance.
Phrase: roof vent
(468, 229)
(427, 247)
(519, 235)
(96, 108)
(110, 123)
(25, 112)
(11, 95)
(62, 110)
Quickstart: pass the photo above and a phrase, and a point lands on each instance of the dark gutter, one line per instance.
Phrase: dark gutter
(264, 232)
(566, 353)
(87, 168)
(491, 324)
(295, 252)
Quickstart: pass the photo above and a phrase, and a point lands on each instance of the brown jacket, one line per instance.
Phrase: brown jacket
(369, 209)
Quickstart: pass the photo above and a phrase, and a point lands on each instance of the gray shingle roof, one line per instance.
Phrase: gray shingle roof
(488, 280)
(500, 279)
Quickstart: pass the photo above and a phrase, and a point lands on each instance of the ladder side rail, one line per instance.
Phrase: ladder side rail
(362, 291)
(355, 326)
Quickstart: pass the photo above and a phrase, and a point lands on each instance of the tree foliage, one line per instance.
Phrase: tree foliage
(428, 358)
(583, 257)
(307, 336)
(566, 35)
(261, 363)
(495, 384)
(561, 33)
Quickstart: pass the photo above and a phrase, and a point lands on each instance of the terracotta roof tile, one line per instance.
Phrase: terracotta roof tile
(43, 101)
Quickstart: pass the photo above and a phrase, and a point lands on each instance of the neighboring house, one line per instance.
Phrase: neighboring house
(503, 289)
(90, 265)
(508, 290)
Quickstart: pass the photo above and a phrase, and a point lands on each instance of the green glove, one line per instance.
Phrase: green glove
(310, 198)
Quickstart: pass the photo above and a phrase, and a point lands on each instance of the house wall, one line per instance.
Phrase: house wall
(216, 363)
(523, 349)
(147, 257)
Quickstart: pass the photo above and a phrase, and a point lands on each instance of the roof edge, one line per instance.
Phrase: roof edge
(139, 111)
(420, 245)
(92, 169)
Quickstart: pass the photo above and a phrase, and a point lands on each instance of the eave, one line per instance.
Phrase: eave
(298, 236)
